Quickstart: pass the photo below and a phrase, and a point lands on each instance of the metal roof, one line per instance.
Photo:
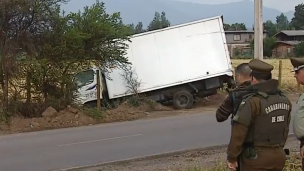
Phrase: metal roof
(290, 42)
(292, 32)
(242, 31)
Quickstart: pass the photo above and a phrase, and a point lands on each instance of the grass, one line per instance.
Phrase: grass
(288, 81)
(292, 164)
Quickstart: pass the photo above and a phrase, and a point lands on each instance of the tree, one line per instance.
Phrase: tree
(270, 27)
(239, 26)
(299, 50)
(226, 26)
(158, 22)
(21, 21)
(164, 21)
(131, 28)
(77, 40)
(139, 28)
(235, 27)
(282, 22)
(54, 46)
(91, 35)
(268, 45)
(297, 21)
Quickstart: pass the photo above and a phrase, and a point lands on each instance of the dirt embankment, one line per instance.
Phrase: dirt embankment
(72, 117)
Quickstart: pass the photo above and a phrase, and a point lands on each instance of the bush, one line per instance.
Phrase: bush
(299, 50)
(35, 109)
(94, 113)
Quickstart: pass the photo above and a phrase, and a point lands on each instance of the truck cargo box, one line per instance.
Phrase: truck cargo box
(175, 55)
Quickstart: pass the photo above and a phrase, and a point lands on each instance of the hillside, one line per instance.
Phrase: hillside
(178, 12)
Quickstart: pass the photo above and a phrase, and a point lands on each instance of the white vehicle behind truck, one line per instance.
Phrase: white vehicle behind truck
(174, 64)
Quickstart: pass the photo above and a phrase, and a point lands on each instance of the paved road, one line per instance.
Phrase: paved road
(58, 149)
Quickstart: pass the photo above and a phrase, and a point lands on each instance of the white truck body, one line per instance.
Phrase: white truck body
(172, 56)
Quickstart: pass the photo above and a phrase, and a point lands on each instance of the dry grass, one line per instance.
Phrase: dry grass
(288, 81)
(292, 164)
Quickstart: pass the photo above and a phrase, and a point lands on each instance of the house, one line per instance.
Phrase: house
(240, 40)
(286, 41)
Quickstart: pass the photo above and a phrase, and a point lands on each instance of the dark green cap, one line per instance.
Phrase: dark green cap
(297, 63)
(258, 66)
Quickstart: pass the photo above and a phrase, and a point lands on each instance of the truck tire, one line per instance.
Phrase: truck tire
(91, 104)
(183, 100)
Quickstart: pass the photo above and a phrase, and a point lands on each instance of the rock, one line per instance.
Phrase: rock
(34, 125)
(73, 110)
(49, 112)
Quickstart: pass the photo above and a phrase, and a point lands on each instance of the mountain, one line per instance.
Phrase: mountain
(289, 14)
(134, 11)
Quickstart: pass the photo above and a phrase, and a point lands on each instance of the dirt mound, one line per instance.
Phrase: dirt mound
(72, 117)
(125, 112)
(61, 119)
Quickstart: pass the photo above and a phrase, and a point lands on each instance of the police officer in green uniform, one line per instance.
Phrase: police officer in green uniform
(233, 99)
(229, 104)
(298, 120)
(261, 124)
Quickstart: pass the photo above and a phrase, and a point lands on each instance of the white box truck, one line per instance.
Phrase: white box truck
(174, 64)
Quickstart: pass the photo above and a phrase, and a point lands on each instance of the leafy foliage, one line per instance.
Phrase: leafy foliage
(235, 27)
(297, 21)
(268, 45)
(55, 46)
(299, 50)
(159, 21)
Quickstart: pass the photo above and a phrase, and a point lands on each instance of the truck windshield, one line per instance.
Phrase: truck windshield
(84, 78)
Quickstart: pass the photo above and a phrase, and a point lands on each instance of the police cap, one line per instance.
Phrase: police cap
(297, 63)
(258, 66)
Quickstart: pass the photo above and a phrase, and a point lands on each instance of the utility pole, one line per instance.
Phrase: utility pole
(258, 29)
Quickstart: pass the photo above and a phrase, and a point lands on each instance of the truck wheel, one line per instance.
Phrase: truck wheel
(183, 100)
(91, 104)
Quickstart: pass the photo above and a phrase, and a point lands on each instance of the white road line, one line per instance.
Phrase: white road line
(105, 139)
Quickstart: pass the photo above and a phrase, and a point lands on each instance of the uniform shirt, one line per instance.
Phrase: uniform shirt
(226, 108)
(239, 131)
(298, 120)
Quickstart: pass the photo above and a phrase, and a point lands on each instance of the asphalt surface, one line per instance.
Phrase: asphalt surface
(64, 148)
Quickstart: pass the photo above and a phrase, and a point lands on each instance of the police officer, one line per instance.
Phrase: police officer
(261, 124)
(243, 78)
(298, 121)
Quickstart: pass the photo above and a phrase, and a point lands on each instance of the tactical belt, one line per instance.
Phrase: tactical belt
(260, 148)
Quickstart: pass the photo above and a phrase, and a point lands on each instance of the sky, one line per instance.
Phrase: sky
(282, 5)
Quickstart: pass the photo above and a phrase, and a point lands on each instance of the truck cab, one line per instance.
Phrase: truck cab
(86, 82)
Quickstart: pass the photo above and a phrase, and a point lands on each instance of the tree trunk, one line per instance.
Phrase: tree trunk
(5, 92)
(28, 87)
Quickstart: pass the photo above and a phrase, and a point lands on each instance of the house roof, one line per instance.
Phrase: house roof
(291, 32)
(242, 31)
(293, 43)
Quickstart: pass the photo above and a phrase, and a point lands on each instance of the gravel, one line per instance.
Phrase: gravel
(179, 161)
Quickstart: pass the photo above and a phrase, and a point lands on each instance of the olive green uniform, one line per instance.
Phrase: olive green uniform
(226, 108)
(261, 125)
(298, 121)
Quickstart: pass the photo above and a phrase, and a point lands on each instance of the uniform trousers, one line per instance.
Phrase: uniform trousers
(271, 159)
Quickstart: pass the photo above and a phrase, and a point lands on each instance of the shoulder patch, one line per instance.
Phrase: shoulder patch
(243, 114)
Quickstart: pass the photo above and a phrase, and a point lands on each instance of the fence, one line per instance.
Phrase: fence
(282, 71)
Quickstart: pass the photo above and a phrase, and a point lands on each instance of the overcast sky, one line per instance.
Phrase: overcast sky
(282, 5)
